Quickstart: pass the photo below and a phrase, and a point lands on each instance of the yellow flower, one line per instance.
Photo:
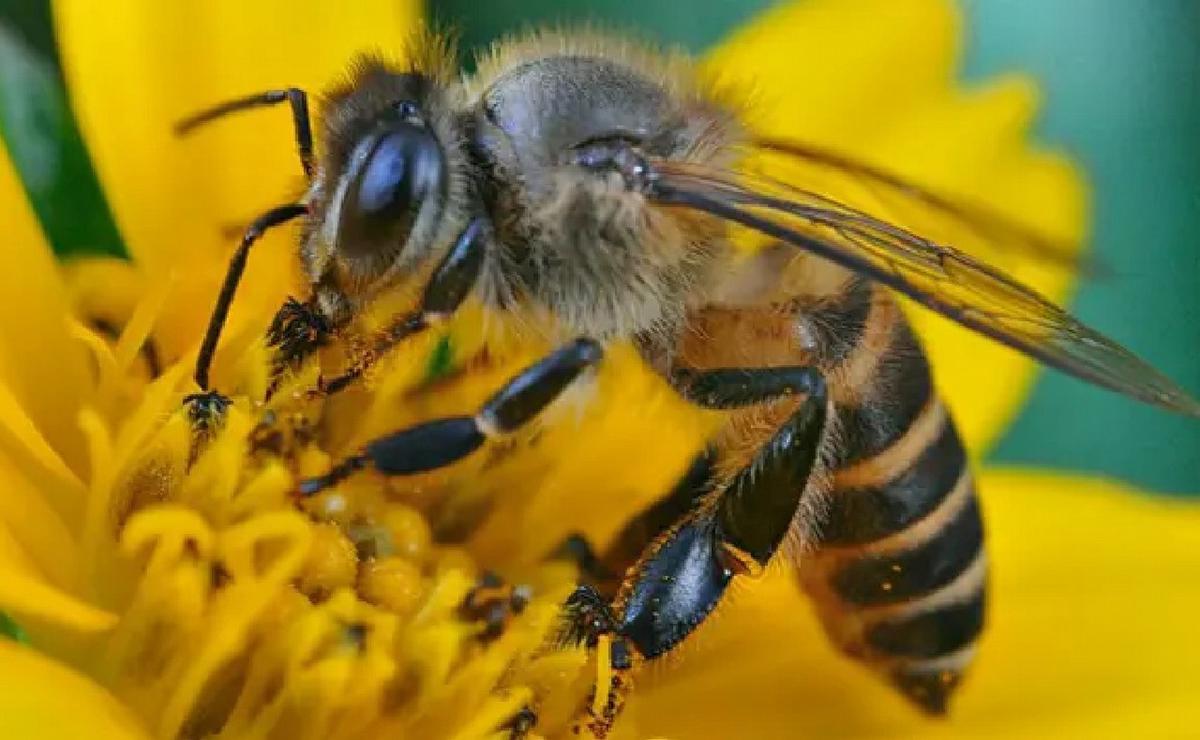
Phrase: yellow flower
(172, 588)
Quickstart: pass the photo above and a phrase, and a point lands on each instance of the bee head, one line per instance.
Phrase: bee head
(387, 175)
(394, 175)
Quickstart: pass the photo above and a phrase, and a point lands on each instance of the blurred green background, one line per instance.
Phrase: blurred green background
(1121, 95)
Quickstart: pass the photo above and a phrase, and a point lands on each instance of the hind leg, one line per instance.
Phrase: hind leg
(683, 573)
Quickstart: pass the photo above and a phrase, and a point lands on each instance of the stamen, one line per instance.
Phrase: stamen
(100, 457)
(241, 616)
(604, 672)
(145, 315)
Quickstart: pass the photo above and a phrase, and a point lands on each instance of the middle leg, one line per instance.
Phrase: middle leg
(441, 442)
(449, 286)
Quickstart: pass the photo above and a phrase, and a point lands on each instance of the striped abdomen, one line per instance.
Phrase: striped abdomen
(898, 572)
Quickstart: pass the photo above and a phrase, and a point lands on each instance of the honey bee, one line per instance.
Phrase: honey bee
(594, 185)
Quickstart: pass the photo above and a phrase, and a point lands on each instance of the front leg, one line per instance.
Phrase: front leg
(684, 572)
(447, 289)
(299, 329)
(206, 409)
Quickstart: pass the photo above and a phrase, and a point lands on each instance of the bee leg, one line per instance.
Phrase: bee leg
(298, 330)
(632, 540)
(603, 570)
(755, 510)
(436, 444)
(233, 275)
(301, 122)
(449, 286)
(684, 572)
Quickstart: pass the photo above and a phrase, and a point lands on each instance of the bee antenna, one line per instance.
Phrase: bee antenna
(295, 97)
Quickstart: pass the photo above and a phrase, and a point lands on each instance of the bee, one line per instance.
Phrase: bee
(595, 186)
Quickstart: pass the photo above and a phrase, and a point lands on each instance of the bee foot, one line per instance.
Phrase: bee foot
(590, 620)
(298, 330)
(206, 410)
(206, 414)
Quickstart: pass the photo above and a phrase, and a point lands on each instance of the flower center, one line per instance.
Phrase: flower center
(247, 611)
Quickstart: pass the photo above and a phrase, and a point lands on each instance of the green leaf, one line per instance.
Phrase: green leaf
(32, 21)
(12, 630)
(48, 152)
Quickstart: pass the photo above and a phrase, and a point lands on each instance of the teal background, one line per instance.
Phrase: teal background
(1120, 81)
(1121, 95)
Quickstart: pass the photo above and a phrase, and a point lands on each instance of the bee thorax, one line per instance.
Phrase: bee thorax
(602, 260)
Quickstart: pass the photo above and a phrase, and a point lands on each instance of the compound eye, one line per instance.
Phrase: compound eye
(402, 170)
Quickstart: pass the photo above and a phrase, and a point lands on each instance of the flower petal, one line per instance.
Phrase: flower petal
(26, 456)
(25, 595)
(45, 369)
(175, 197)
(43, 699)
(1091, 634)
(875, 80)
(39, 529)
(34, 586)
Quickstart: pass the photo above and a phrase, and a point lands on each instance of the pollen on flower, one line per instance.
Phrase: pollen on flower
(248, 611)
(394, 583)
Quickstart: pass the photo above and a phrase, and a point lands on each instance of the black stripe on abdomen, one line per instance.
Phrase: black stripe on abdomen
(864, 515)
(903, 389)
(907, 573)
(929, 634)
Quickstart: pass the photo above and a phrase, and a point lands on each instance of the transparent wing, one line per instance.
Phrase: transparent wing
(935, 275)
(974, 228)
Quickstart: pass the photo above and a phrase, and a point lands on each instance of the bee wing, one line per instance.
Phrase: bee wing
(978, 230)
(935, 275)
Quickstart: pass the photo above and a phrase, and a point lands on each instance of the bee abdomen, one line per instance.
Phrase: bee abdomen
(898, 575)
(914, 567)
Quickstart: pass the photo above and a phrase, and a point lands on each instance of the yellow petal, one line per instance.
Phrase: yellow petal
(39, 529)
(43, 367)
(839, 70)
(24, 594)
(103, 288)
(874, 79)
(174, 197)
(26, 449)
(43, 699)
(1091, 634)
